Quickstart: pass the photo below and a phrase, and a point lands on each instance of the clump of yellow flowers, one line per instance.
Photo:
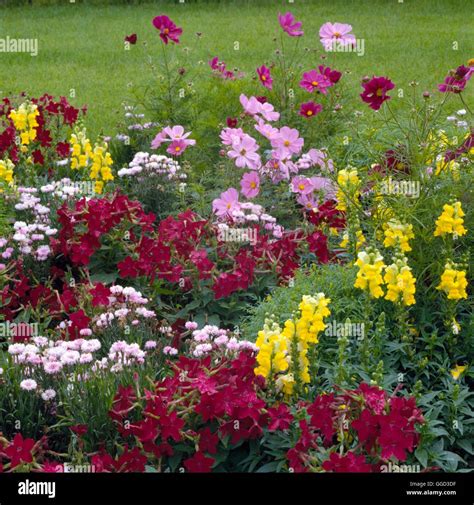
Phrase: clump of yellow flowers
(349, 187)
(283, 355)
(451, 221)
(398, 235)
(400, 282)
(453, 282)
(359, 237)
(98, 159)
(369, 277)
(25, 121)
(6, 170)
(81, 149)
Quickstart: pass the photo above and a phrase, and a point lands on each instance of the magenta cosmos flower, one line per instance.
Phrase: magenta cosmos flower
(457, 80)
(250, 184)
(329, 73)
(244, 152)
(375, 91)
(289, 25)
(314, 81)
(168, 30)
(334, 35)
(310, 109)
(265, 76)
(226, 203)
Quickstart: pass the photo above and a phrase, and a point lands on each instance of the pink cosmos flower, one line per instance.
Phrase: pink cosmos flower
(289, 25)
(226, 203)
(253, 107)
(324, 185)
(250, 184)
(244, 152)
(265, 76)
(289, 142)
(375, 91)
(457, 80)
(267, 130)
(231, 135)
(168, 30)
(310, 109)
(334, 35)
(215, 64)
(314, 81)
(307, 201)
(321, 159)
(332, 75)
(176, 136)
(301, 185)
(268, 112)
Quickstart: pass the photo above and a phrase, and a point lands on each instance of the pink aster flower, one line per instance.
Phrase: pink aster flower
(226, 203)
(176, 136)
(244, 152)
(314, 81)
(250, 184)
(301, 185)
(334, 35)
(289, 25)
(289, 142)
(324, 185)
(251, 105)
(267, 130)
(457, 80)
(265, 76)
(231, 135)
(177, 147)
(168, 30)
(310, 109)
(375, 91)
(307, 201)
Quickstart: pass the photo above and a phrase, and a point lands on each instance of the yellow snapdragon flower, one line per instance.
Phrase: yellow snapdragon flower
(451, 221)
(400, 283)
(369, 277)
(6, 170)
(453, 283)
(398, 235)
(349, 184)
(25, 121)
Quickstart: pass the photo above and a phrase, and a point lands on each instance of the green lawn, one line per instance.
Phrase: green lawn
(81, 47)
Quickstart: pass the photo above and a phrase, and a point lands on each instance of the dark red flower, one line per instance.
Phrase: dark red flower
(199, 463)
(131, 39)
(79, 429)
(348, 462)
(280, 417)
(332, 75)
(100, 295)
(375, 91)
(20, 450)
(208, 441)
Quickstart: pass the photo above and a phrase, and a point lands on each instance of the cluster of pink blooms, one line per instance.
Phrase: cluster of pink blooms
(146, 165)
(306, 187)
(125, 304)
(211, 338)
(65, 188)
(220, 69)
(30, 237)
(176, 139)
(247, 213)
(125, 354)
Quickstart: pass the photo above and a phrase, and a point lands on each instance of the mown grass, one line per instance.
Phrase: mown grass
(81, 49)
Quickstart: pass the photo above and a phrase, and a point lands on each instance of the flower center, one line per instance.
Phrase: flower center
(253, 185)
(243, 152)
(309, 113)
(315, 83)
(166, 31)
(229, 205)
(286, 143)
(379, 92)
(337, 35)
(301, 186)
(264, 78)
(177, 149)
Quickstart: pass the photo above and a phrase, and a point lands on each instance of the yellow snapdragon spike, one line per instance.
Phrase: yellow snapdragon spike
(453, 283)
(400, 283)
(369, 277)
(349, 183)
(457, 371)
(451, 221)
(398, 235)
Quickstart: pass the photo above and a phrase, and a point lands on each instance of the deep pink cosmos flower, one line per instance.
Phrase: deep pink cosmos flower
(244, 152)
(289, 142)
(168, 30)
(226, 203)
(265, 76)
(176, 136)
(456, 81)
(250, 184)
(289, 25)
(314, 81)
(310, 109)
(336, 35)
(332, 75)
(375, 91)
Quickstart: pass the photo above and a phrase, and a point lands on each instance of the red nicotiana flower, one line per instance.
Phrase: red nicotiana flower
(199, 463)
(20, 450)
(280, 417)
